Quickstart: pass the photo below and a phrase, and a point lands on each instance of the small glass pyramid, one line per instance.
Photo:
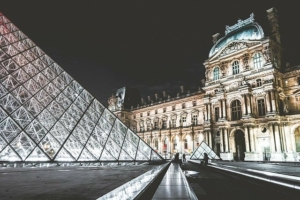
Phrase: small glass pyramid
(45, 115)
(204, 148)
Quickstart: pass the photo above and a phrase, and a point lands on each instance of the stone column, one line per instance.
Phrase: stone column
(206, 106)
(209, 112)
(247, 141)
(273, 101)
(287, 137)
(277, 138)
(268, 101)
(272, 138)
(252, 139)
(226, 141)
(224, 108)
(249, 112)
(244, 106)
(221, 141)
(210, 139)
(220, 109)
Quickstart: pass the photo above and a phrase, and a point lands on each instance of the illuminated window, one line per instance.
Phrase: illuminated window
(258, 82)
(236, 112)
(235, 67)
(261, 107)
(257, 61)
(216, 73)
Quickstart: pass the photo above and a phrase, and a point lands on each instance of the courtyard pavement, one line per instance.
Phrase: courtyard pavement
(67, 183)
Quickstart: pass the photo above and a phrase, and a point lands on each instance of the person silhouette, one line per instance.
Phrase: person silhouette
(183, 157)
(205, 159)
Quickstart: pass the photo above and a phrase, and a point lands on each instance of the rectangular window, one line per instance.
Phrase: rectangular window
(164, 110)
(195, 119)
(149, 127)
(183, 105)
(155, 125)
(258, 82)
(148, 113)
(173, 107)
(155, 111)
(134, 116)
(164, 124)
(217, 114)
(141, 114)
(183, 119)
(173, 123)
(261, 107)
(194, 103)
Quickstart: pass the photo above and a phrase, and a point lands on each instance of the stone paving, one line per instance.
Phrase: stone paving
(55, 183)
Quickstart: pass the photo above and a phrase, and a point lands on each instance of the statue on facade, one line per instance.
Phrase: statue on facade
(112, 102)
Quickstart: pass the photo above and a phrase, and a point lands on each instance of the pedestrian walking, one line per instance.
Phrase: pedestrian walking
(183, 157)
(205, 159)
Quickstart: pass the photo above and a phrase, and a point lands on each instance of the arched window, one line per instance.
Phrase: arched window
(235, 67)
(236, 112)
(216, 73)
(257, 61)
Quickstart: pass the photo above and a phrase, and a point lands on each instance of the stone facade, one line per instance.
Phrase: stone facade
(248, 108)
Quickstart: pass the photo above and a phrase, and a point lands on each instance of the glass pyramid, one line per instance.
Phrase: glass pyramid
(204, 148)
(45, 115)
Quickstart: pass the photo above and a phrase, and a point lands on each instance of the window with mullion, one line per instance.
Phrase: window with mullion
(261, 107)
(236, 112)
(235, 67)
(216, 73)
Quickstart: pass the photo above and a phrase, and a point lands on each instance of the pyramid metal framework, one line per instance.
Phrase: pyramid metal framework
(46, 116)
(204, 148)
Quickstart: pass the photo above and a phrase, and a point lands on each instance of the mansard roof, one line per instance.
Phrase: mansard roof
(243, 30)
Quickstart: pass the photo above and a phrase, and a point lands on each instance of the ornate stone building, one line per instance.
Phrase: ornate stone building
(248, 108)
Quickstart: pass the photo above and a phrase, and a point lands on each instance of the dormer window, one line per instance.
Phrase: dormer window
(257, 61)
(235, 67)
(216, 73)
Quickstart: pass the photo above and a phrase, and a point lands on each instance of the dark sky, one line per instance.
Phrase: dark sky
(153, 46)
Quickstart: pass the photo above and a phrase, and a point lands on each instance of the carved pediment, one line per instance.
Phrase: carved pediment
(235, 46)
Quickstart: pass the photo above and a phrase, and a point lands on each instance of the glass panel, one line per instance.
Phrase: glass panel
(9, 155)
(23, 145)
(37, 155)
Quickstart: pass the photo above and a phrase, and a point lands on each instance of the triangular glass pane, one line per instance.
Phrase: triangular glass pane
(104, 125)
(94, 147)
(3, 115)
(107, 156)
(129, 148)
(36, 131)
(55, 109)
(59, 132)
(49, 145)
(33, 106)
(100, 136)
(3, 91)
(108, 116)
(22, 117)
(86, 156)
(9, 103)
(73, 146)
(117, 136)
(118, 125)
(2, 143)
(46, 119)
(9, 129)
(155, 156)
(87, 123)
(37, 155)
(125, 156)
(141, 156)
(143, 147)
(21, 94)
(23, 145)
(9, 155)
(63, 155)
(81, 134)
(132, 137)
(204, 148)
(112, 147)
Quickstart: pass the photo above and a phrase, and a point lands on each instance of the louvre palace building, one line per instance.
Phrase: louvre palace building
(248, 108)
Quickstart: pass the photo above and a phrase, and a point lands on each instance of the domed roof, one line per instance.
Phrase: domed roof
(243, 30)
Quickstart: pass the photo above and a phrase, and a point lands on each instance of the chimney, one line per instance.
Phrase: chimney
(164, 94)
(273, 21)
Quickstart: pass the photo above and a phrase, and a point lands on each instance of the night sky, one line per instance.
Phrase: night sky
(153, 46)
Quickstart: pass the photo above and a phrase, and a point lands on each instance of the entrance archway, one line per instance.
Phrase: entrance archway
(297, 139)
(240, 146)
